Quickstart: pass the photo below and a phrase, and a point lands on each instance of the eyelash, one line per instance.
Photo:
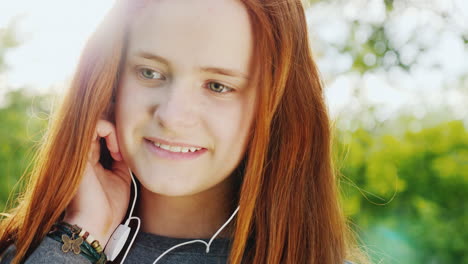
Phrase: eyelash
(141, 70)
(225, 87)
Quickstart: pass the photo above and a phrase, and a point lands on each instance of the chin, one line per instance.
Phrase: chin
(171, 189)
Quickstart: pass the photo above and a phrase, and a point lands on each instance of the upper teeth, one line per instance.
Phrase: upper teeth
(176, 149)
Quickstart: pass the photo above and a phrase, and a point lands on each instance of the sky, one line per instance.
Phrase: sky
(53, 33)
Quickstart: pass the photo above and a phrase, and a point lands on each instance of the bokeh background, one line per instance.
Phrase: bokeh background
(396, 78)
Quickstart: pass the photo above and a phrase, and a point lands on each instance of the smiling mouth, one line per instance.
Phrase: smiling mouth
(175, 149)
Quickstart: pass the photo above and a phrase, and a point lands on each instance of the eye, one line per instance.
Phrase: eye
(150, 74)
(219, 88)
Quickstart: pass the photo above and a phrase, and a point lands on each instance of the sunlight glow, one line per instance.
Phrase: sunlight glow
(52, 34)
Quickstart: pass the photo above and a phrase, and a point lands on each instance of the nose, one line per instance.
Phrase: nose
(177, 110)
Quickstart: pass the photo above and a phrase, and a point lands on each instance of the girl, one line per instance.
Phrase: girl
(216, 108)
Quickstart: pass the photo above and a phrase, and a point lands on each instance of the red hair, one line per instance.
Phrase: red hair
(288, 197)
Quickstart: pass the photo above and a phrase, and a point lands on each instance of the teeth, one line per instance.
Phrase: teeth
(166, 147)
(185, 150)
(176, 149)
(194, 149)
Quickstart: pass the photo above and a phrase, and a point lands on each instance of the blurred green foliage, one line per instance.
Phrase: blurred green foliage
(20, 122)
(410, 190)
(21, 127)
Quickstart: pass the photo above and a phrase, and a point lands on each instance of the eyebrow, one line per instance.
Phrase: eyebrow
(149, 56)
(226, 72)
(222, 71)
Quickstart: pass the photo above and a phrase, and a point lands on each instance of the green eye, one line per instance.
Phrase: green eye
(151, 74)
(218, 88)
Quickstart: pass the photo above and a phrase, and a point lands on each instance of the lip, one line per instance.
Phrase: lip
(175, 144)
(166, 154)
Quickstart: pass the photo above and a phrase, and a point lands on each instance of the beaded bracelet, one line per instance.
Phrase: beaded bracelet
(85, 235)
(79, 241)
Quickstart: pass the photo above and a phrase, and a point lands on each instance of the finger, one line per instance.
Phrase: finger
(113, 146)
(107, 130)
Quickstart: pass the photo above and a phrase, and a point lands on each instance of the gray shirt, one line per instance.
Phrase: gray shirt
(146, 248)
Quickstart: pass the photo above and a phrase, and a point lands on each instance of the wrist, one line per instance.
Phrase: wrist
(100, 231)
(79, 241)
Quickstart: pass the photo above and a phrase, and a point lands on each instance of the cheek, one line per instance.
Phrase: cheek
(123, 125)
(231, 124)
(129, 112)
(132, 99)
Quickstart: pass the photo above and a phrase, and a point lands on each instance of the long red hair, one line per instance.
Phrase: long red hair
(289, 200)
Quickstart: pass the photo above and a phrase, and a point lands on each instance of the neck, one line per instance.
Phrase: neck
(195, 216)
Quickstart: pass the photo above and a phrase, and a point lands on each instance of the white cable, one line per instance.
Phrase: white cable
(220, 229)
(134, 199)
(179, 245)
(133, 238)
(127, 222)
(198, 240)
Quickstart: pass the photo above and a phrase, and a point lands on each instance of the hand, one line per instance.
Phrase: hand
(103, 196)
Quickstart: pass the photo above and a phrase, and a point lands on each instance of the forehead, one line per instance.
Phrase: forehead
(201, 32)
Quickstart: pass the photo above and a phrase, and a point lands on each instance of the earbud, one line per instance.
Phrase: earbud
(116, 242)
(121, 233)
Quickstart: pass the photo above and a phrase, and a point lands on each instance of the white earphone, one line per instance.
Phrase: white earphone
(121, 233)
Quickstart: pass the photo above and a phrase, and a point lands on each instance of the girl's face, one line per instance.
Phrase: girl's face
(186, 81)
